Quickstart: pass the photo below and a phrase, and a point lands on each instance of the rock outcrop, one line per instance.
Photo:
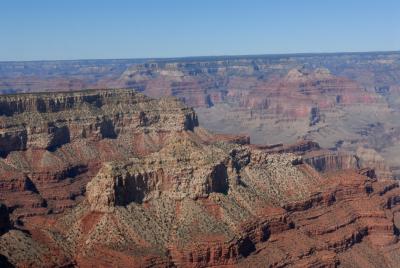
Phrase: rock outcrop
(326, 160)
(368, 157)
(186, 169)
(332, 160)
(159, 191)
(266, 209)
(52, 144)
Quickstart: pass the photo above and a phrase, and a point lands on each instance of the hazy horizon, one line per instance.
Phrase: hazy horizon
(215, 56)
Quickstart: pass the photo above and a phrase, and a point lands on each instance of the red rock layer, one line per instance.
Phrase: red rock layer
(352, 222)
(136, 183)
(53, 144)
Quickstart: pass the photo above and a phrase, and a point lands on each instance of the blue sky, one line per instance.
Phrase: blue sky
(76, 29)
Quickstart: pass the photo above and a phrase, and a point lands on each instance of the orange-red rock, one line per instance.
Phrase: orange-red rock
(151, 188)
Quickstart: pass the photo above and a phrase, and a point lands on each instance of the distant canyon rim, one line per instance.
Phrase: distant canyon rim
(346, 102)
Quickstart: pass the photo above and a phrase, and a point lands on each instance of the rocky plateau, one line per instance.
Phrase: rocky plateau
(113, 178)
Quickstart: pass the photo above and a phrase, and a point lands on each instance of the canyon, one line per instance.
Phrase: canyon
(237, 161)
(115, 178)
(347, 102)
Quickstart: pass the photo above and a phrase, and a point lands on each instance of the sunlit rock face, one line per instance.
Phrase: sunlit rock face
(114, 178)
(53, 143)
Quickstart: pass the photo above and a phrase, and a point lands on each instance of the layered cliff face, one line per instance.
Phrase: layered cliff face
(149, 188)
(52, 144)
(241, 207)
(191, 82)
(302, 102)
(300, 94)
(329, 98)
(332, 160)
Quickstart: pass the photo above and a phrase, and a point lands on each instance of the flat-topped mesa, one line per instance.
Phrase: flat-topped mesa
(49, 120)
(48, 102)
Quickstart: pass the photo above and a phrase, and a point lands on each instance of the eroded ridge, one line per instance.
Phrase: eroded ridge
(163, 192)
(52, 144)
